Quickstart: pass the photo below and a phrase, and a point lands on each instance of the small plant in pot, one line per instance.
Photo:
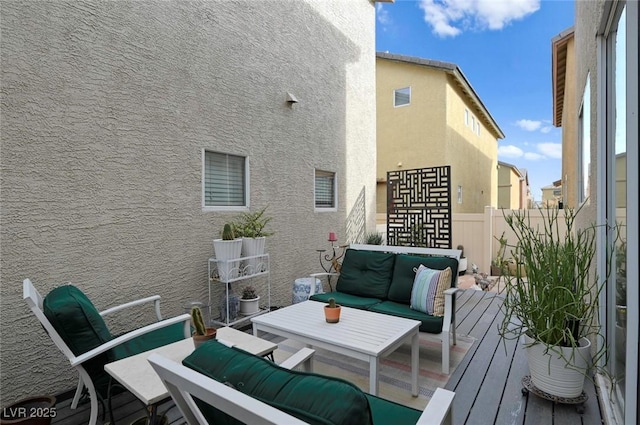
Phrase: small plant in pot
(462, 265)
(226, 249)
(201, 333)
(251, 227)
(374, 238)
(554, 308)
(250, 301)
(332, 311)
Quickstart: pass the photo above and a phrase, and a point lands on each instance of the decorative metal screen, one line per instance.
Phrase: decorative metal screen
(419, 207)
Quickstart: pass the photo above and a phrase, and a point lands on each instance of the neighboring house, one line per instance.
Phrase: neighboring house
(565, 105)
(428, 114)
(117, 118)
(607, 73)
(513, 187)
(552, 195)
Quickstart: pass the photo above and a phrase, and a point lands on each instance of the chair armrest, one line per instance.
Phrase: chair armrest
(185, 318)
(448, 307)
(439, 409)
(298, 358)
(155, 299)
(324, 274)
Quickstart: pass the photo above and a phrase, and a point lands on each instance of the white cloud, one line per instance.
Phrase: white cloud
(551, 150)
(448, 18)
(510, 151)
(529, 125)
(546, 129)
(531, 156)
(382, 15)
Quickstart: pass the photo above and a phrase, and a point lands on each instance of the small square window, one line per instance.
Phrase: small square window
(466, 117)
(224, 180)
(325, 190)
(402, 97)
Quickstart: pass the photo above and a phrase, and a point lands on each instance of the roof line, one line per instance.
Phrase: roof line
(456, 72)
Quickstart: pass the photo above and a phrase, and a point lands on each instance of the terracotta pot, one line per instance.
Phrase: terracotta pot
(198, 340)
(30, 411)
(332, 315)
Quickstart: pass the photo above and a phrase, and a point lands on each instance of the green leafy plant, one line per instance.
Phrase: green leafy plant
(252, 225)
(557, 302)
(332, 303)
(198, 321)
(228, 232)
(374, 238)
(249, 293)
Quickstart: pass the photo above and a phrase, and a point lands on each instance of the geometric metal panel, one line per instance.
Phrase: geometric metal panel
(419, 207)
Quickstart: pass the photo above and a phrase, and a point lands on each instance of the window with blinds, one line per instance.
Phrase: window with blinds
(402, 97)
(224, 180)
(325, 189)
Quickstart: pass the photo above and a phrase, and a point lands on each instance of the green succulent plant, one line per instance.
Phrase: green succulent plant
(228, 233)
(198, 321)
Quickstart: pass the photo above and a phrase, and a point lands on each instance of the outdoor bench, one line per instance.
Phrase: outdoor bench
(380, 279)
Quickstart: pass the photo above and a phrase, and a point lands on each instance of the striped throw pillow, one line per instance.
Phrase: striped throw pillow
(427, 294)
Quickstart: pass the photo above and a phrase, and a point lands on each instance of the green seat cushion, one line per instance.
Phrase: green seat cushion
(149, 341)
(346, 300)
(389, 412)
(310, 397)
(431, 324)
(366, 273)
(404, 274)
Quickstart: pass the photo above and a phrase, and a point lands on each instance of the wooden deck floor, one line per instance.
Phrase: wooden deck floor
(487, 382)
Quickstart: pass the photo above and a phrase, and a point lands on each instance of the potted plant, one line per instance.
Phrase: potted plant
(555, 307)
(227, 248)
(201, 333)
(462, 264)
(249, 301)
(374, 238)
(332, 311)
(251, 228)
(498, 264)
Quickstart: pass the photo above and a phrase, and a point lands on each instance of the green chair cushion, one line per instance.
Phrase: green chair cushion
(431, 324)
(404, 274)
(389, 412)
(366, 273)
(149, 341)
(346, 300)
(310, 397)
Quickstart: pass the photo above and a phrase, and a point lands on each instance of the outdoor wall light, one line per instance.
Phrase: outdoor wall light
(291, 99)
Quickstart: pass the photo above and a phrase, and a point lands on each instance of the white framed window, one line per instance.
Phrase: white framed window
(473, 123)
(459, 194)
(325, 191)
(584, 140)
(402, 97)
(225, 181)
(466, 117)
(478, 128)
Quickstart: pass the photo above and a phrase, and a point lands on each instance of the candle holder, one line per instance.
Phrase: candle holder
(330, 259)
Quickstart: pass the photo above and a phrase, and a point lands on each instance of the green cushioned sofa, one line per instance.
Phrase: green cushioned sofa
(380, 278)
(309, 397)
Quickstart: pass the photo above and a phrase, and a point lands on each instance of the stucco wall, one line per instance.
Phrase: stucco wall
(570, 141)
(106, 108)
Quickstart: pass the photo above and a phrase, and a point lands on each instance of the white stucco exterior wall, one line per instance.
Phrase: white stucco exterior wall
(106, 108)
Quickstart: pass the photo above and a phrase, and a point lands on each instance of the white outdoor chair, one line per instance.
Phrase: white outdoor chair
(89, 351)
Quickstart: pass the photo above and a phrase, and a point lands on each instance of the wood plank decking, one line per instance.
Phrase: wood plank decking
(487, 382)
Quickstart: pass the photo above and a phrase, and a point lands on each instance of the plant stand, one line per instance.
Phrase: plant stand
(527, 387)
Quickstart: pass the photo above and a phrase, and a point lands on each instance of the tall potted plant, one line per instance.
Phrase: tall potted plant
(227, 248)
(251, 227)
(555, 307)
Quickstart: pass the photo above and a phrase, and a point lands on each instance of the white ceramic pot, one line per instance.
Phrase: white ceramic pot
(225, 251)
(559, 371)
(252, 247)
(248, 307)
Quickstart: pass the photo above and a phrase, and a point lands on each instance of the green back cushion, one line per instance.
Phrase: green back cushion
(366, 273)
(312, 398)
(404, 274)
(76, 319)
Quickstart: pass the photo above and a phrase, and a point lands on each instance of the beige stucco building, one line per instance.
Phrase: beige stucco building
(110, 112)
(513, 187)
(428, 114)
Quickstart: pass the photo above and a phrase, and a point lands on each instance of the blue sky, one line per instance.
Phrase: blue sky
(504, 49)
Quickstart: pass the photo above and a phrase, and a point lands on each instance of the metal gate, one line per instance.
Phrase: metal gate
(419, 207)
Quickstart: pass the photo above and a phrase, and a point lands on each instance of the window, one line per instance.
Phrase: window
(402, 97)
(478, 128)
(466, 117)
(325, 190)
(224, 181)
(584, 137)
(473, 123)
(459, 194)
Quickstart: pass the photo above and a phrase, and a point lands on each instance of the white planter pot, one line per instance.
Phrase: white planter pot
(250, 248)
(225, 251)
(462, 266)
(248, 307)
(558, 374)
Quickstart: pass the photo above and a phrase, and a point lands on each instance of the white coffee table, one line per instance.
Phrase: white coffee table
(136, 374)
(359, 334)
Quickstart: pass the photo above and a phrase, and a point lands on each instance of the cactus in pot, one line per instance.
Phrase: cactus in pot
(202, 333)
(332, 311)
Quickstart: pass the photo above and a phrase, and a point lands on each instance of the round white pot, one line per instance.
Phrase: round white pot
(252, 247)
(248, 307)
(462, 266)
(558, 374)
(225, 251)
